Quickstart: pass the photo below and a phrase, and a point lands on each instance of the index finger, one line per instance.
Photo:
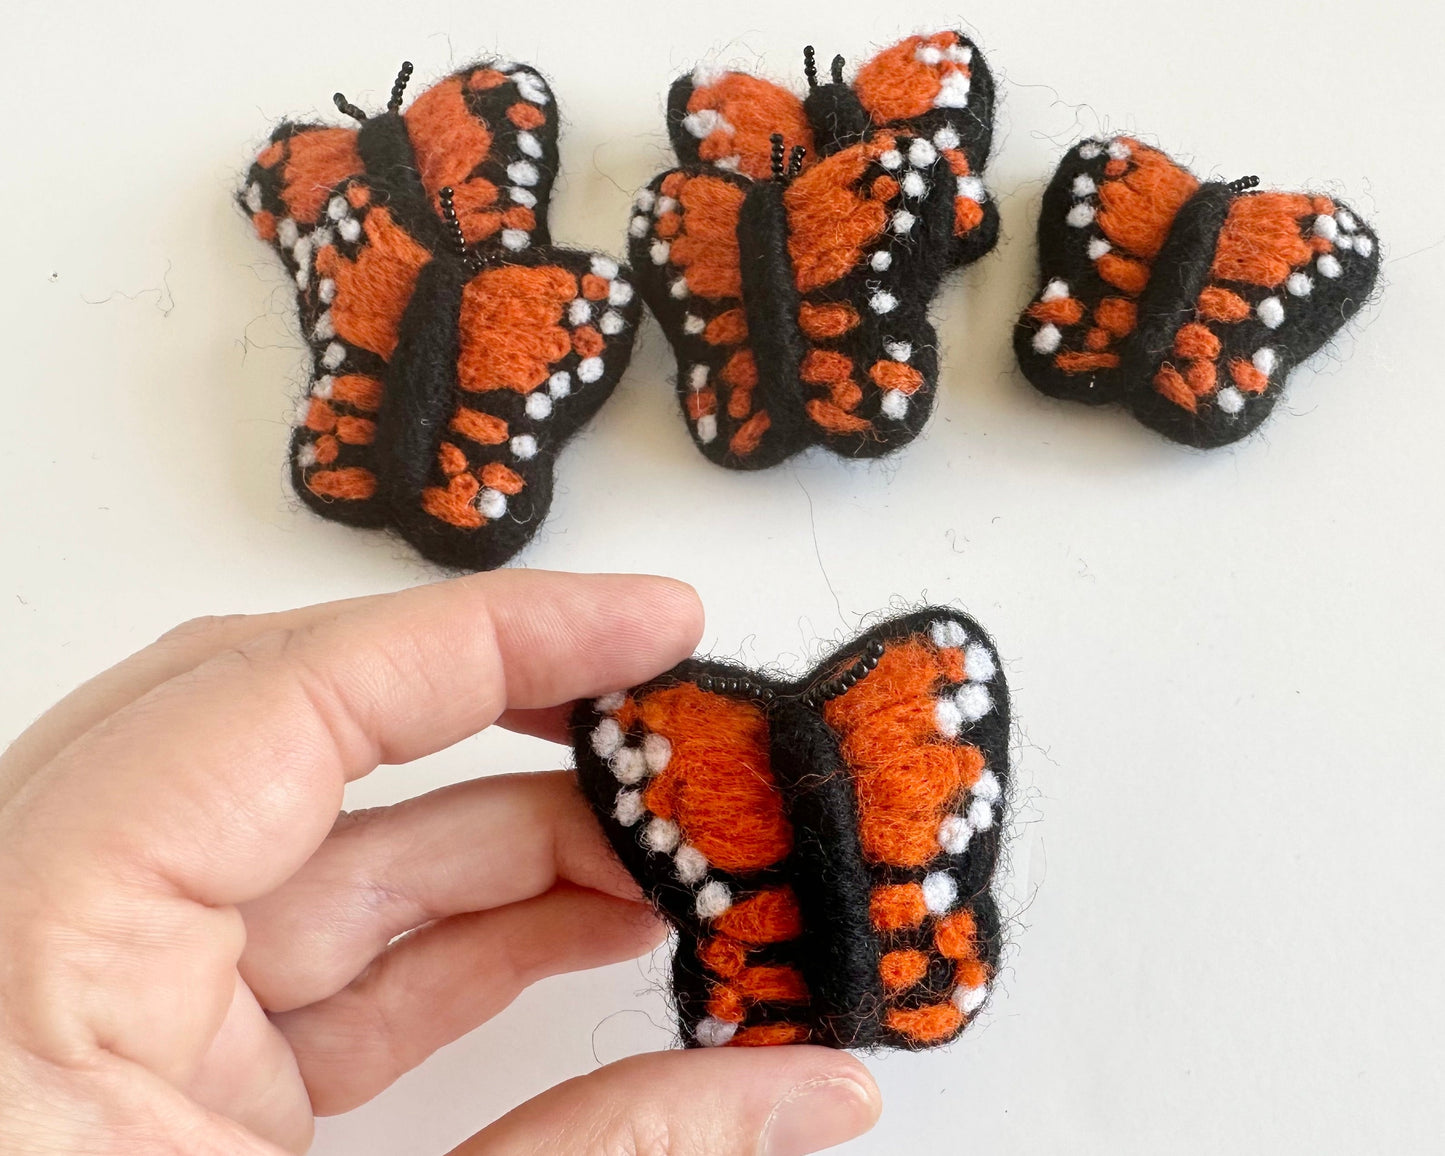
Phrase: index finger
(223, 780)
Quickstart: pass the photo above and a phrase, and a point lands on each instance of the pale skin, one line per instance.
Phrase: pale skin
(198, 948)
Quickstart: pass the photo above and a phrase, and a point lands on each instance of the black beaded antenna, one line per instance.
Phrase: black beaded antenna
(810, 66)
(399, 87)
(833, 687)
(347, 107)
(795, 161)
(1242, 184)
(454, 228)
(837, 69)
(777, 143)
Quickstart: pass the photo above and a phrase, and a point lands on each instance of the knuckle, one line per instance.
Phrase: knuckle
(201, 627)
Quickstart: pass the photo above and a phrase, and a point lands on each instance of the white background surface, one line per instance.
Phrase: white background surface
(1227, 667)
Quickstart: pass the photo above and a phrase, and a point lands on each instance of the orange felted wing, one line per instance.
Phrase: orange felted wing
(727, 120)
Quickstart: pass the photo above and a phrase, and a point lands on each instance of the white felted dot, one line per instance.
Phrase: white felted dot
(1230, 400)
(707, 428)
(713, 899)
(1344, 242)
(522, 197)
(693, 324)
(644, 200)
(1329, 266)
(959, 53)
(954, 834)
(515, 239)
(253, 197)
(661, 835)
(1264, 360)
(903, 220)
(690, 864)
(708, 73)
(1047, 339)
(666, 205)
(947, 717)
(522, 173)
(697, 377)
(1084, 185)
(952, 91)
(1345, 219)
(940, 892)
(579, 312)
(638, 226)
(321, 237)
(974, 701)
(972, 188)
(921, 153)
(988, 788)
(928, 54)
(605, 267)
(659, 252)
(894, 404)
(891, 159)
(883, 302)
(1326, 226)
(714, 1033)
(611, 323)
(1119, 151)
(306, 456)
(539, 406)
(980, 815)
(287, 232)
(678, 290)
(1089, 150)
(1098, 247)
(978, 663)
(1299, 284)
(350, 229)
(529, 144)
(969, 999)
(628, 808)
(303, 408)
(589, 369)
(1271, 312)
(301, 251)
(530, 86)
(303, 277)
(898, 350)
(913, 185)
(335, 354)
(326, 290)
(946, 138)
(629, 766)
(619, 293)
(491, 504)
(323, 330)
(323, 386)
(606, 738)
(881, 260)
(1080, 215)
(1364, 246)
(657, 751)
(560, 383)
(524, 447)
(1055, 290)
(336, 208)
(701, 122)
(946, 633)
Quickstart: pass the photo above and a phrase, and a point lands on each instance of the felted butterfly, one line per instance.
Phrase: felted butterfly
(455, 349)
(1188, 302)
(792, 257)
(824, 848)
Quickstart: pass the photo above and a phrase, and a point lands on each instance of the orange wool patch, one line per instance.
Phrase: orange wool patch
(265, 223)
(751, 111)
(1261, 243)
(741, 371)
(482, 428)
(1123, 273)
(727, 328)
(971, 973)
(327, 449)
(358, 195)
(449, 142)
(701, 403)
(831, 219)
(355, 431)
(824, 322)
(453, 504)
(668, 225)
(1171, 384)
(526, 116)
(1098, 339)
(896, 85)
(769, 916)
(1200, 376)
(771, 985)
(320, 417)
(317, 160)
(450, 460)
(750, 434)
(900, 970)
(723, 956)
(824, 366)
(896, 375)
(1060, 311)
(905, 780)
(1136, 210)
(1117, 314)
(587, 341)
(708, 251)
(956, 936)
(957, 162)
(352, 483)
(884, 188)
(1247, 376)
(358, 391)
(967, 215)
(835, 419)
(925, 1024)
(502, 478)
(484, 79)
(372, 291)
(510, 327)
(594, 288)
(1216, 304)
(1077, 362)
(770, 1035)
(1197, 341)
(897, 906)
(718, 786)
(725, 1004)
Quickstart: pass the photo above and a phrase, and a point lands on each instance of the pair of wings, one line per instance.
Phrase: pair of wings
(679, 771)
(442, 386)
(1276, 281)
(871, 227)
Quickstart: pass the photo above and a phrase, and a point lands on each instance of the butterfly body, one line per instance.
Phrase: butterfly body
(824, 847)
(455, 348)
(1188, 302)
(792, 256)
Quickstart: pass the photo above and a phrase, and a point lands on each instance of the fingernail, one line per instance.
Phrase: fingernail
(818, 1115)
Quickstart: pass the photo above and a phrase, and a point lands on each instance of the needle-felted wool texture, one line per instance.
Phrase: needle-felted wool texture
(792, 256)
(825, 848)
(454, 347)
(1187, 302)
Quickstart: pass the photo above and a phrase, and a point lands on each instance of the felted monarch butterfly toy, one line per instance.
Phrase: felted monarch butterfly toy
(824, 847)
(792, 256)
(1187, 302)
(455, 348)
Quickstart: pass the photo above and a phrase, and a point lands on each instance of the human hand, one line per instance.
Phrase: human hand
(196, 947)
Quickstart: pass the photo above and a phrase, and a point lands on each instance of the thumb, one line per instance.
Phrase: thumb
(779, 1101)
